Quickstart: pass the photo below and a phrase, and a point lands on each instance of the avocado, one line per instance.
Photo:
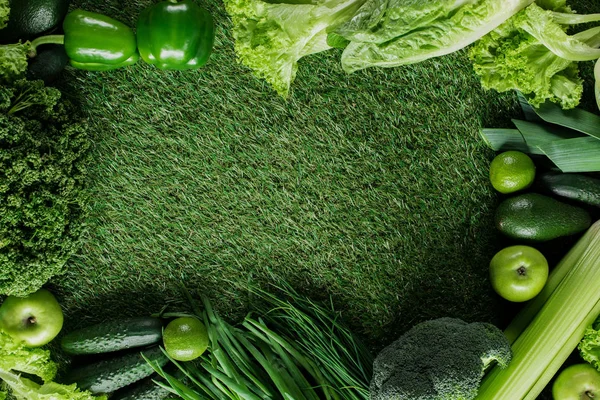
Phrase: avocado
(31, 18)
(47, 65)
(539, 218)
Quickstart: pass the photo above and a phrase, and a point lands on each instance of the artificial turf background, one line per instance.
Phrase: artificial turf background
(370, 188)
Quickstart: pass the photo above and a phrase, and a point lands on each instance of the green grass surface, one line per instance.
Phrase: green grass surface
(371, 188)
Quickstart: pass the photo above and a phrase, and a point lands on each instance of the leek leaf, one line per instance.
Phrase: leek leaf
(504, 139)
(574, 155)
(528, 110)
(597, 85)
(536, 135)
(576, 118)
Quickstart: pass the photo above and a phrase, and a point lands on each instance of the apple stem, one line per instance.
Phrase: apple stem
(31, 320)
(588, 395)
(521, 271)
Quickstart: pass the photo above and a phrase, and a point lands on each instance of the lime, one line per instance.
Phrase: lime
(511, 171)
(185, 338)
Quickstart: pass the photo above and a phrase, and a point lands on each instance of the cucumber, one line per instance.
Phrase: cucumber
(113, 336)
(143, 390)
(576, 187)
(115, 373)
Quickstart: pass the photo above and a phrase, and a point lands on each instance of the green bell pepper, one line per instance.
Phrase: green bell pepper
(94, 42)
(97, 43)
(175, 35)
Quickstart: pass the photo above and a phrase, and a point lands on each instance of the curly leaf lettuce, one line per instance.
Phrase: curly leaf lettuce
(589, 346)
(439, 28)
(270, 38)
(13, 61)
(532, 53)
(16, 359)
(4, 13)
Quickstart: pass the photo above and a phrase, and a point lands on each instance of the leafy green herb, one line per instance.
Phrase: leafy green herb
(43, 163)
(295, 351)
(589, 347)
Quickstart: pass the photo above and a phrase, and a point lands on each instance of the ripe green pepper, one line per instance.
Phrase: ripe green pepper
(94, 42)
(175, 35)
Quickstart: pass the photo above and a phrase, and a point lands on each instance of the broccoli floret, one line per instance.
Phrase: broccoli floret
(441, 359)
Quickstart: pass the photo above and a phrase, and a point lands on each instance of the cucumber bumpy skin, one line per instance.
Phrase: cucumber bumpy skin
(143, 390)
(113, 336)
(115, 373)
(582, 188)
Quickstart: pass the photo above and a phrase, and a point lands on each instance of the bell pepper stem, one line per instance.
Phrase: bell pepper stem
(49, 39)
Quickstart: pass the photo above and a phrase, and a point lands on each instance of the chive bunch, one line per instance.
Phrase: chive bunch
(288, 348)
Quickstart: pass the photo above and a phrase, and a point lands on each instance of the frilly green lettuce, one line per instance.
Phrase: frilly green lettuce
(4, 13)
(270, 38)
(589, 346)
(16, 359)
(13, 61)
(532, 53)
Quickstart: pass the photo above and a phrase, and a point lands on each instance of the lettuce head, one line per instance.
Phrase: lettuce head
(532, 53)
(16, 359)
(270, 37)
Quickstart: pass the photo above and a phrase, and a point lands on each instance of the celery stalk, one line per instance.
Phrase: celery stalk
(562, 356)
(526, 315)
(554, 331)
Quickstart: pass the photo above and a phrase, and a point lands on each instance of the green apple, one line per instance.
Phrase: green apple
(577, 382)
(35, 319)
(518, 273)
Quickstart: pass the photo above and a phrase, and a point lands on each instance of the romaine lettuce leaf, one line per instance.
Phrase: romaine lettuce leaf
(540, 24)
(270, 38)
(379, 21)
(436, 34)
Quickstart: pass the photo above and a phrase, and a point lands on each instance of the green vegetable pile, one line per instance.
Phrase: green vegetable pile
(272, 37)
(43, 161)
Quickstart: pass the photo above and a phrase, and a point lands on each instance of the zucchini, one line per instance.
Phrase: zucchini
(582, 188)
(113, 336)
(115, 373)
(143, 390)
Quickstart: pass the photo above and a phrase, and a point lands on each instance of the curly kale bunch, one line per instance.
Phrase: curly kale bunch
(43, 157)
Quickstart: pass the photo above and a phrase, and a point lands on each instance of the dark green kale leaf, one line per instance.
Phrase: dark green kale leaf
(43, 163)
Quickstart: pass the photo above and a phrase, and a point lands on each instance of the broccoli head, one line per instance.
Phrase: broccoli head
(441, 359)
